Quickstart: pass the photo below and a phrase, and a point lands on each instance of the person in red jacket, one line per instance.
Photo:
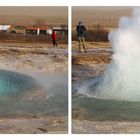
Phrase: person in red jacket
(54, 38)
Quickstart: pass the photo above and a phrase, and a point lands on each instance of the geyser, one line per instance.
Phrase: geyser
(121, 80)
(16, 84)
(41, 94)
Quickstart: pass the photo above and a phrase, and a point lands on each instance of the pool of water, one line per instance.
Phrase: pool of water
(94, 109)
(99, 109)
(22, 94)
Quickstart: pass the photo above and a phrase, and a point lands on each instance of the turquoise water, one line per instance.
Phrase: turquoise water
(24, 95)
(102, 110)
(97, 109)
(14, 84)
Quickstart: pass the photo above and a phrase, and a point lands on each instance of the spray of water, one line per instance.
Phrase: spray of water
(121, 81)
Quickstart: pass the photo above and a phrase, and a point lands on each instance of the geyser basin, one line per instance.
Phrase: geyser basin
(24, 95)
(114, 95)
(104, 110)
(15, 84)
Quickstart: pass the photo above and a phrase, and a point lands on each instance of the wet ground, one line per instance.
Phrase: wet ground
(33, 125)
(105, 127)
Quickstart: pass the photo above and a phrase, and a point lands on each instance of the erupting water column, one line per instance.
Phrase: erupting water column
(121, 81)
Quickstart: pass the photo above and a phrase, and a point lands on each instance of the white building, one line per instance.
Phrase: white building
(5, 28)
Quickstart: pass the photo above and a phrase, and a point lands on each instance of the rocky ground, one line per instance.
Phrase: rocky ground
(33, 58)
(105, 127)
(36, 57)
(91, 63)
(33, 125)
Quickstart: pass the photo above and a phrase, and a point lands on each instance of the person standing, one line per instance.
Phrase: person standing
(81, 29)
(54, 38)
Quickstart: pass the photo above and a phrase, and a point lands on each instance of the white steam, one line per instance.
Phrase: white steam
(121, 81)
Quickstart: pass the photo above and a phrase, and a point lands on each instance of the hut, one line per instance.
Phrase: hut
(5, 28)
(37, 30)
(19, 29)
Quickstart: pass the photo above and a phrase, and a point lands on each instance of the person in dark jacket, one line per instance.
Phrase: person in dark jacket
(54, 38)
(81, 30)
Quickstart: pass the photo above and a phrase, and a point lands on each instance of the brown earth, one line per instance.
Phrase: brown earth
(33, 125)
(89, 64)
(105, 127)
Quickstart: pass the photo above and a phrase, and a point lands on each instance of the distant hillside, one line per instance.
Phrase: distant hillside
(106, 16)
(33, 15)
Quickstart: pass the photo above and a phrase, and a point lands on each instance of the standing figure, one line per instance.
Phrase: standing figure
(81, 29)
(54, 38)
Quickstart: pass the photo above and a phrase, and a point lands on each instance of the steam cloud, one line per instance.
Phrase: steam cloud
(121, 81)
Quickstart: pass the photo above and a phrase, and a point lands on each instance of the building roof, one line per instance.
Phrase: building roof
(37, 27)
(59, 28)
(19, 27)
